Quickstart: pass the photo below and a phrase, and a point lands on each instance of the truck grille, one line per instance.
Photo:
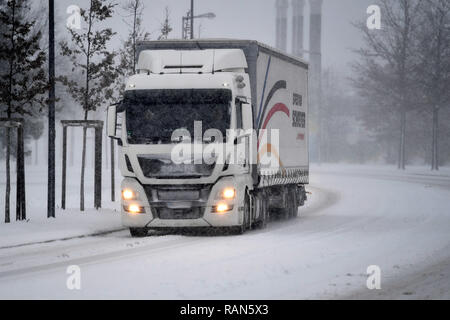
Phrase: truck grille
(178, 202)
(180, 214)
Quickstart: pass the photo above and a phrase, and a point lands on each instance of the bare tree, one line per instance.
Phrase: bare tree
(22, 78)
(134, 10)
(90, 55)
(433, 65)
(166, 26)
(341, 127)
(385, 71)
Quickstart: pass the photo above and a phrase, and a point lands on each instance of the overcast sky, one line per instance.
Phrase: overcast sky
(252, 19)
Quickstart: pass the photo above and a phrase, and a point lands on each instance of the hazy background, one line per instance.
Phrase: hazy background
(359, 120)
(250, 19)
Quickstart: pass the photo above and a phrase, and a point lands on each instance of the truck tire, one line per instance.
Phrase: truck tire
(286, 212)
(264, 210)
(294, 199)
(138, 232)
(242, 228)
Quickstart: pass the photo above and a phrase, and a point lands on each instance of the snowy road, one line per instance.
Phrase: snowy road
(354, 219)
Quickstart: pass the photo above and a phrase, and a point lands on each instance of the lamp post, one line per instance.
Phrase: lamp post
(51, 113)
(188, 23)
(192, 19)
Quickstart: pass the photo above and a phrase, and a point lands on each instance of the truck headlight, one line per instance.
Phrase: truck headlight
(229, 193)
(222, 208)
(128, 194)
(134, 209)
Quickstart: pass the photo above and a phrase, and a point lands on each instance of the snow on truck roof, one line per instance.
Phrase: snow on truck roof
(201, 44)
(188, 61)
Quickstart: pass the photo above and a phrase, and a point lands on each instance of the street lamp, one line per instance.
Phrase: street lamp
(209, 15)
(188, 25)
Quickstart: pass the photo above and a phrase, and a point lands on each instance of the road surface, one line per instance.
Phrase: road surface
(353, 219)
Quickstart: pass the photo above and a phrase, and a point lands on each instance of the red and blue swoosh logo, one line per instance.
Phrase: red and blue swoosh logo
(265, 116)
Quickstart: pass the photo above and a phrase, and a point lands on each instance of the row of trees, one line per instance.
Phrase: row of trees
(403, 75)
(95, 76)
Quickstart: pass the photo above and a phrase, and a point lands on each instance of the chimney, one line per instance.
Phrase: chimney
(297, 27)
(315, 31)
(281, 36)
(315, 58)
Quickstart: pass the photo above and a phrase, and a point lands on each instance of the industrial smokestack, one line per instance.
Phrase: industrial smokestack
(315, 30)
(315, 58)
(282, 13)
(297, 27)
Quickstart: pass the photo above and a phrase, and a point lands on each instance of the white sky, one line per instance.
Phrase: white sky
(252, 19)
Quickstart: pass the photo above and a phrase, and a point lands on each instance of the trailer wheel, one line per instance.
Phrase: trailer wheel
(138, 232)
(294, 199)
(286, 212)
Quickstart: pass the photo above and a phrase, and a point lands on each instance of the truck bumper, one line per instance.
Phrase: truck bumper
(208, 218)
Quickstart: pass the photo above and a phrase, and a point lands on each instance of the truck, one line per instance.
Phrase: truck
(212, 133)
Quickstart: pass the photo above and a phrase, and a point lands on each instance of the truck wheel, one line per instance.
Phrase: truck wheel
(294, 199)
(138, 232)
(286, 212)
(242, 228)
(264, 211)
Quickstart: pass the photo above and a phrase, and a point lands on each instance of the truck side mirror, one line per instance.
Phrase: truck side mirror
(243, 114)
(247, 115)
(241, 111)
(239, 122)
(112, 122)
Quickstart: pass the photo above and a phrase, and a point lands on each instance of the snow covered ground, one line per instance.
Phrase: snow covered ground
(69, 223)
(357, 216)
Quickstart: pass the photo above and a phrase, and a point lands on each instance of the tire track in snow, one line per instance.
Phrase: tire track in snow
(101, 258)
(325, 200)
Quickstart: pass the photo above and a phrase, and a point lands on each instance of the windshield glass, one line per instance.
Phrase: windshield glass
(153, 115)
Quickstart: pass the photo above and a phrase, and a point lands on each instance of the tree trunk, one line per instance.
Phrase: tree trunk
(401, 155)
(83, 164)
(72, 147)
(434, 150)
(36, 152)
(9, 114)
(105, 141)
(8, 176)
(86, 108)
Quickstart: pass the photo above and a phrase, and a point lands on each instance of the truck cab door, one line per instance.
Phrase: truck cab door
(244, 133)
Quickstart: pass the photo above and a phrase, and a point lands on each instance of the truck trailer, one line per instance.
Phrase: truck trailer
(212, 134)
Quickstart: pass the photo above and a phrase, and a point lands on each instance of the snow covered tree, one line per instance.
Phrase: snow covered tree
(22, 75)
(90, 56)
(343, 136)
(385, 72)
(433, 65)
(134, 9)
(166, 27)
(128, 59)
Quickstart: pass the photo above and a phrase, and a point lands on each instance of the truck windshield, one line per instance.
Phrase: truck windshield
(153, 115)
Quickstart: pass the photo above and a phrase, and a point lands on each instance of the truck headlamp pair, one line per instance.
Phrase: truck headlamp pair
(225, 194)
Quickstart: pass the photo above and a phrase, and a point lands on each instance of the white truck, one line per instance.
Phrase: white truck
(212, 134)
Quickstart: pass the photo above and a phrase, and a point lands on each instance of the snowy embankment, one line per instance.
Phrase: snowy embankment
(357, 216)
(68, 223)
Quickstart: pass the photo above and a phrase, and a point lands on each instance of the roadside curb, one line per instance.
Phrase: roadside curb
(95, 234)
